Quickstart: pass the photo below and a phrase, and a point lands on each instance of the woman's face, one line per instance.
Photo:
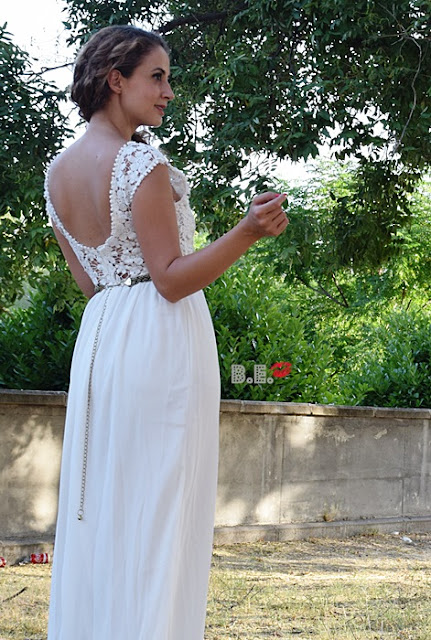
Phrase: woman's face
(146, 93)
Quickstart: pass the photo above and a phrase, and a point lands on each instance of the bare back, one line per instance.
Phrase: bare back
(79, 187)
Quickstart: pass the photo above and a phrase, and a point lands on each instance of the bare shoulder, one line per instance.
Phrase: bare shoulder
(85, 157)
(83, 170)
(68, 155)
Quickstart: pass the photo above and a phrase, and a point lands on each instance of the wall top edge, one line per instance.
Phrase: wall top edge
(309, 409)
(44, 398)
(59, 398)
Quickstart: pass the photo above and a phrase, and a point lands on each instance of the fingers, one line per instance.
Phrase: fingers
(271, 207)
(282, 225)
(271, 223)
(266, 216)
(278, 224)
(269, 197)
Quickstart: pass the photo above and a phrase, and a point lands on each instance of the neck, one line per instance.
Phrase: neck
(103, 122)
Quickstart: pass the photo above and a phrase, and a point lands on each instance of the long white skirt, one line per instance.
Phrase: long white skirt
(136, 566)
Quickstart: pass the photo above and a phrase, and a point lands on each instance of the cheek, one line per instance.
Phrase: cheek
(147, 95)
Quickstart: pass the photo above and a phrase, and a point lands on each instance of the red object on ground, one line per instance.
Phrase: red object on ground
(39, 558)
(2, 561)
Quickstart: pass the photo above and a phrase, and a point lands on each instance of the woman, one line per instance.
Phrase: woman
(138, 480)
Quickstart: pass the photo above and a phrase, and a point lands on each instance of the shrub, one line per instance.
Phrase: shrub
(36, 343)
(256, 323)
(390, 363)
(378, 355)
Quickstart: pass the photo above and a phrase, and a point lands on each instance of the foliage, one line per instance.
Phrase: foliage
(344, 235)
(281, 78)
(258, 80)
(256, 323)
(36, 342)
(390, 362)
(366, 221)
(32, 130)
(375, 349)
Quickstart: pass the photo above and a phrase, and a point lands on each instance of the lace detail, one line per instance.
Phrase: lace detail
(120, 257)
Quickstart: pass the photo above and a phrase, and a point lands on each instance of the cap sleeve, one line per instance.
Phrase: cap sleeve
(135, 162)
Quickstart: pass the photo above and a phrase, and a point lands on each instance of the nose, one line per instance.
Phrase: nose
(168, 93)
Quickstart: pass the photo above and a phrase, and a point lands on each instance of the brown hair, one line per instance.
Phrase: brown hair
(121, 47)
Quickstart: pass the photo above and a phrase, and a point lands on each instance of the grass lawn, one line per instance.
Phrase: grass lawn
(362, 588)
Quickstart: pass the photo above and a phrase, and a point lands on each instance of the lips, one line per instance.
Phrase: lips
(161, 108)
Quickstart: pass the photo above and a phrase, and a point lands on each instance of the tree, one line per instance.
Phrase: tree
(32, 130)
(282, 77)
(353, 244)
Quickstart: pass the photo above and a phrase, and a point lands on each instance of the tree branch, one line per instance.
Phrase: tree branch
(405, 35)
(46, 69)
(199, 18)
(413, 88)
(322, 291)
(340, 291)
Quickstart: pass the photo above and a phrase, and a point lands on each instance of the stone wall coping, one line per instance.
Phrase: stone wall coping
(309, 409)
(44, 398)
(59, 398)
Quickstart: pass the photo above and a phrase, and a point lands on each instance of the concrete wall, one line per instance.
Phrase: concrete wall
(286, 470)
(295, 470)
(31, 437)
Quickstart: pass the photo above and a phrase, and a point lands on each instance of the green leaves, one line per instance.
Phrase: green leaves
(32, 130)
(347, 222)
(390, 362)
(280, 78)
(366, 223)
(36, 342)
(256, 323)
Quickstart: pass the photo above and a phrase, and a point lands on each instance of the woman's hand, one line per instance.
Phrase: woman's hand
(265, 216)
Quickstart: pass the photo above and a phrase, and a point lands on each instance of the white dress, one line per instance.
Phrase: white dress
(141, 441)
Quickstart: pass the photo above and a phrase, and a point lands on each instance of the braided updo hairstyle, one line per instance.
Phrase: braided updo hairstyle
(121, 47)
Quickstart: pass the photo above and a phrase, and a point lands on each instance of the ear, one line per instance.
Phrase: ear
(115, 81)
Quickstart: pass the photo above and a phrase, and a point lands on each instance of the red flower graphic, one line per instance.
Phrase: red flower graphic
(280, 369)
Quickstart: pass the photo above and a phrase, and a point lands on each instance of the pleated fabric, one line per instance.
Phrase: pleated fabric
(136, 567)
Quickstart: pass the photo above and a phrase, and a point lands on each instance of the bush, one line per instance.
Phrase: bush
(390, 363)
(36, 343)
(256, 323)
(378, 355)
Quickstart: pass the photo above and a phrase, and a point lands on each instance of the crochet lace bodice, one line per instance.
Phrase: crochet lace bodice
(120, 257)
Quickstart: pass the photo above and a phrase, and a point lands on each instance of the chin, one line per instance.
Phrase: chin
(154, 124)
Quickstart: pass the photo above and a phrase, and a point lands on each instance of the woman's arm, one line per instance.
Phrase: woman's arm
(176, 276)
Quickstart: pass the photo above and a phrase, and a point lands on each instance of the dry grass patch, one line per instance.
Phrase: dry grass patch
(24, 594)
(363, 588)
